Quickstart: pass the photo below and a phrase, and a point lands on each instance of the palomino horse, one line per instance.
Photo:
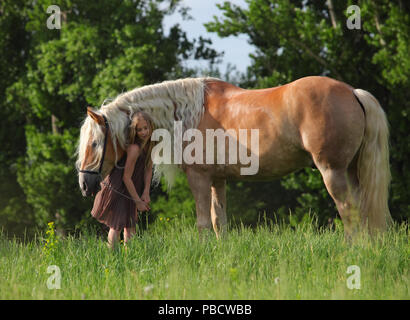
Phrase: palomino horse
(319, 120)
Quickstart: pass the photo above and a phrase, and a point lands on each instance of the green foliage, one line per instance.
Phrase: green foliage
(177, 202)
(311, 195)
(252, 203)
(15, 214)
(48, 178)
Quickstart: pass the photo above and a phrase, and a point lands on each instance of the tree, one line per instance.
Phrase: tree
(15, 214)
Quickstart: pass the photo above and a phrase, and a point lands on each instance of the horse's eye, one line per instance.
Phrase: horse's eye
(94, 144)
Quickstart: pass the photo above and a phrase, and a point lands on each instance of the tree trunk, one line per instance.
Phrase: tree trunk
(329, 4)
(54, 125)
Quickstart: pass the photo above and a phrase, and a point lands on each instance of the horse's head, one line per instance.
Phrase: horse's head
(97, 153)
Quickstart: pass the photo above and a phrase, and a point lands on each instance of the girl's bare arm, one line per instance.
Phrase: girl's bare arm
(133, 152)
(147, 178)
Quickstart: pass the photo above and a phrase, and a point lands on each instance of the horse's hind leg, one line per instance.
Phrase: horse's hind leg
(218, 206)
(333, 133)
(342, 185)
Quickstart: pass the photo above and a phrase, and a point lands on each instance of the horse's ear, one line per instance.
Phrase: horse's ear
(95, 116)
(126, 111)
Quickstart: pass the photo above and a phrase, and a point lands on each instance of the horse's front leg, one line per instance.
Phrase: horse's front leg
(218, 207)
(200, 184)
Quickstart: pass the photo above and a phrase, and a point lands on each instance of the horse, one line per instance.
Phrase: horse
(314, 120)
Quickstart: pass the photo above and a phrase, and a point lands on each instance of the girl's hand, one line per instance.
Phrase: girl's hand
(145, 197)
(142, 206)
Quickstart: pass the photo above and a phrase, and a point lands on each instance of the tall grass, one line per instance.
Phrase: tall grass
(170, 261)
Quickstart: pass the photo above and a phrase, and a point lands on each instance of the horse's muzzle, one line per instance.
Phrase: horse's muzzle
(89, 183)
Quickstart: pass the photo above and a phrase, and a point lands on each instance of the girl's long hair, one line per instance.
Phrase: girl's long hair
(133, 137)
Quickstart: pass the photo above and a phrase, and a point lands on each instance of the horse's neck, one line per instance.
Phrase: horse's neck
(179, 100)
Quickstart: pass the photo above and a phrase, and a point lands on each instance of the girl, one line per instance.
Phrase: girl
(118, 202)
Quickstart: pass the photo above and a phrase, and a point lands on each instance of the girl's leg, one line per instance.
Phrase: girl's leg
(128, 234)
(113, 236)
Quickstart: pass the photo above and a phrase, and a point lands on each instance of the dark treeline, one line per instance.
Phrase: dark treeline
(49, 76)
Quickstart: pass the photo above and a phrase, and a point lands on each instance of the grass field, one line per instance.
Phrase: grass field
(169, 261)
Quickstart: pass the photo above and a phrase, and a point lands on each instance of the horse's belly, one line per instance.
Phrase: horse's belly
(273, 164)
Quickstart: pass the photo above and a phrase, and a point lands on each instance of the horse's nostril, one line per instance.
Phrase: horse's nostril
(84, 186)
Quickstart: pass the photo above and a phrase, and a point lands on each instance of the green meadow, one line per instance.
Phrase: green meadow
(169, 260)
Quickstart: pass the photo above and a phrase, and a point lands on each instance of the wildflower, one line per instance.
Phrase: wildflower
(234, 273)
(51, 239)
(148, 288)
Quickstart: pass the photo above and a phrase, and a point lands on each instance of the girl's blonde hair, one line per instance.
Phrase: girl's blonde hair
(133, 137)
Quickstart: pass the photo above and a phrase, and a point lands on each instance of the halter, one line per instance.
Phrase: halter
(107, 128)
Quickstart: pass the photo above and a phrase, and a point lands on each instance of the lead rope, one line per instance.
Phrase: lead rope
(109, 187)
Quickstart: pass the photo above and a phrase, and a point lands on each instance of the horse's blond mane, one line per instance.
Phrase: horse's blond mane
(166, 102)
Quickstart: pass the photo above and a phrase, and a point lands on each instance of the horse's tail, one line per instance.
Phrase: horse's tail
(373, 168)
